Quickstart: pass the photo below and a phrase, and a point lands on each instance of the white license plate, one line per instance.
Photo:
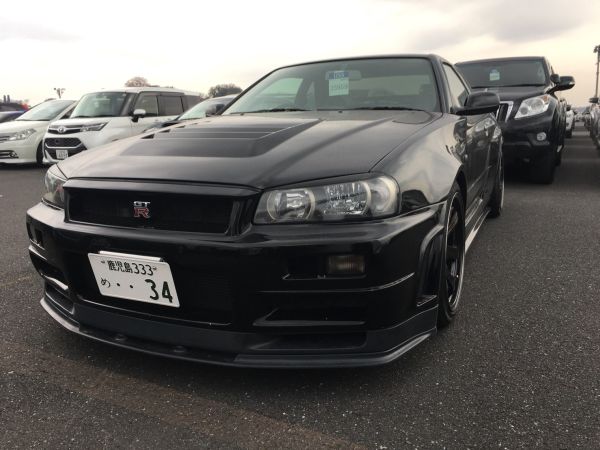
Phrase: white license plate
(62, 154)
(133, 277)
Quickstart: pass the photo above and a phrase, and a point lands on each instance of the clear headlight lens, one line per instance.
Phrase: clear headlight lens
(533, 106)
(54, 181)
(20, 135)
(377, 197)
(93, 126)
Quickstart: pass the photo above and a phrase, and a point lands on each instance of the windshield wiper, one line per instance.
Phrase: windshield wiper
(273, 110)
(384, 108)
(521, 85)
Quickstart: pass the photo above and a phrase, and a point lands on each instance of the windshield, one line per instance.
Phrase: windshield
(101, 104)
(199, 111)
(503, 73)
(46, 111)
(385, 83)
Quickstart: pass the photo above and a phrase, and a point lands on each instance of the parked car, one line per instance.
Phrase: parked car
(12, 106)
(21, 139)
(570, 122)
(321, 220)
(594, 121)
(208, 107)
(531, 114)
(7, 116)
(106, 116)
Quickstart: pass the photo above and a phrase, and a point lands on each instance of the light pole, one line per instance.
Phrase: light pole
(59, 91)
(597, 51)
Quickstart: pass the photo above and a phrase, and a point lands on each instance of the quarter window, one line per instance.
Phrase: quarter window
(458, 91)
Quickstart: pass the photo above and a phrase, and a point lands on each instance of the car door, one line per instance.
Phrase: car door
(478, 131)
(148, 101)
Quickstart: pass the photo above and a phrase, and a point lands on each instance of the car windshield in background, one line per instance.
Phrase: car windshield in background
(199, 111)
(45, 111)
(504, 73)
(383, 83)
(101, 104)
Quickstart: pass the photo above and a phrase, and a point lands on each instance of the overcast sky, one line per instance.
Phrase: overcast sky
(85, 46)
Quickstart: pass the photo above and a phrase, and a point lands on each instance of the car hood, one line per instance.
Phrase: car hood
(20, 125)
(255, 150)
(516, 93)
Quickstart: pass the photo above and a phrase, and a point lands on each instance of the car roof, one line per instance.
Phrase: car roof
(509, 58)
(136, 90)
(429, 56)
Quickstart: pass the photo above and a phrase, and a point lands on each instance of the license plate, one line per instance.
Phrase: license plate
(62, 154)
(133, 277)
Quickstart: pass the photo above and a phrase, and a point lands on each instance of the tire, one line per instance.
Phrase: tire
(39, 155)
(542, 170)
(570, 134)
(453, 258)
(496, 202)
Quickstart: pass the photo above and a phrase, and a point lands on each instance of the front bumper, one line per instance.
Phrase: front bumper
(242, 303)
(521, 138)
(19, 152)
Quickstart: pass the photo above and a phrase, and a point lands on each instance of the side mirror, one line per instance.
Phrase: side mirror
(568, 107)
(555, 78)
(565, 83)
(480, 103)
(214, 109)
(137, 114)
(593, 100)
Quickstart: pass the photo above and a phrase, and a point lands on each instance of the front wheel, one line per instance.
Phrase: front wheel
(453, 258)
(39, 155)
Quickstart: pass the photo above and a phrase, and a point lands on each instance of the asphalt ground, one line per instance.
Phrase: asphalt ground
(519, 368)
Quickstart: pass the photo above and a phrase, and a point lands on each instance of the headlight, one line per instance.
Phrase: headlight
(54, 187)
(377, 197)
(20, 135)
(93, 126)
(533, 106)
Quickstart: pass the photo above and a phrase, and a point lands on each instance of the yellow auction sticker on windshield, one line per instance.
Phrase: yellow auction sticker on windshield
(339, 82)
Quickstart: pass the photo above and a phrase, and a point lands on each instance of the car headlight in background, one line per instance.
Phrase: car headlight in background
(54, 181)
(533, 106)
(20, 135)
(373, 198)
(93, 126)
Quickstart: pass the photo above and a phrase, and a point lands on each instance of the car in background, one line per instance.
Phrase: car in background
(208, 107)
(107, 116)
(594, 121)
(12, 106)
(570, 122)
(321, 220)
(7, 116)
(21, 139)
(531, 115)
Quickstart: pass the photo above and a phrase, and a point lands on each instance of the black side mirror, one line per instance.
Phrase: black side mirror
(593, 100)
(555, 78)
(565, 83)
(137, 114)
(480, 103)
(214, 109)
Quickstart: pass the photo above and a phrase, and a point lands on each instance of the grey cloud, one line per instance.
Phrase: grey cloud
(509, 21)
(10, 29)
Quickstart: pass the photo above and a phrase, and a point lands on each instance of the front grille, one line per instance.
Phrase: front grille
(65, 130)
(72, 145)
(504, 111)
(166, 211)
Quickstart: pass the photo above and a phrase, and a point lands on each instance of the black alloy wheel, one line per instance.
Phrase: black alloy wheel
(454, 259)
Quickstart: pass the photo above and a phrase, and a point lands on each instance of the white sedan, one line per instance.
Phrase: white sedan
(570, 123)
(21, 139)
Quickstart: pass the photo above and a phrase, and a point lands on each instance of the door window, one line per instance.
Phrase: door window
(172, 105)
(148, 102)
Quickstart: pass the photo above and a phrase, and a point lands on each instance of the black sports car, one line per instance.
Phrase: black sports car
(321, 221)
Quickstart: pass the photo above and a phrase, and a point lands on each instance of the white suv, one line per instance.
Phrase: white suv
(106, 116)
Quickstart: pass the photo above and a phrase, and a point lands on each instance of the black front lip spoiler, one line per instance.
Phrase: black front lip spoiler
(269, 361)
